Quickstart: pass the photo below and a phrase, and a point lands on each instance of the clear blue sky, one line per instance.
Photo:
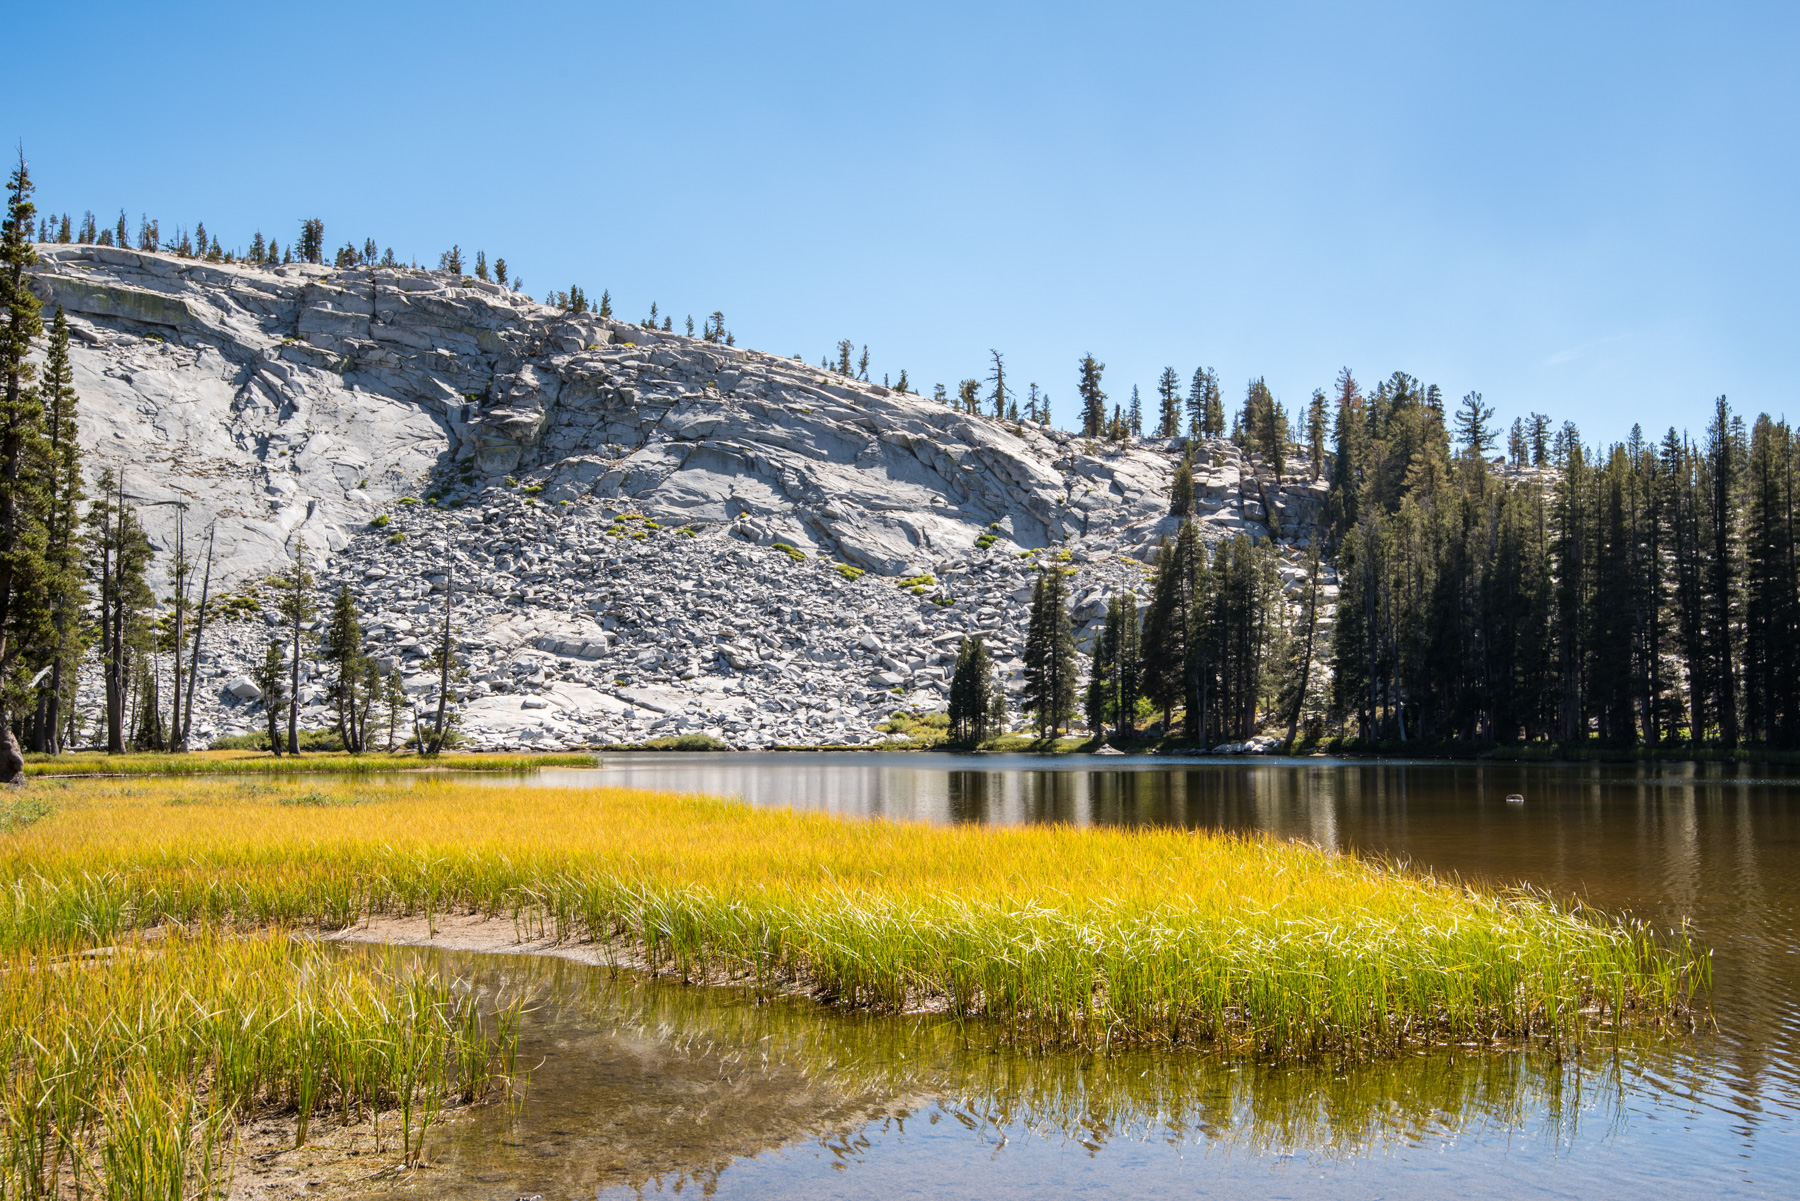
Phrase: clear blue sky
(1588, 210)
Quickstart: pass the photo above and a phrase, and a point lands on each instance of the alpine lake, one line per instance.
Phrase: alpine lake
(640, 1088)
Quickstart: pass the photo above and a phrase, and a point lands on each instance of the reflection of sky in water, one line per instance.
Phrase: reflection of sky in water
(1718, 1114)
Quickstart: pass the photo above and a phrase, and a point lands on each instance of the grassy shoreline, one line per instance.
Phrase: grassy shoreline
(1054, 936)
(193, 763)
(1065, 935)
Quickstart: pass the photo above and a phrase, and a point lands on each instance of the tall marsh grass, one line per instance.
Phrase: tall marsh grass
(1090, 937)
(130, 1064)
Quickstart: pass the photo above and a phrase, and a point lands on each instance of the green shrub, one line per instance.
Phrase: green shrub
(985, 541)
(850, 573)
(22, 812)
(409, 500)
(791, 552)
(396, 538)
(318, 798)
(686, 742)
(943, 602)
(917, 582)
(532, 489)
(310, 740)
(379, 521)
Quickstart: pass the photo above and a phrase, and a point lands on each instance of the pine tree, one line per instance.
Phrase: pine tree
(1168, 622)
(900, 385)
(1093, 400)
(1134, 415)
(1723, 458)
(1472, 428)
(312, 240)
(606, 309)
(119, 559)
(1168, 389)
(1114, 675)
(972, 693)
(443, 725)
(393, 702)
(121, 234)
(294, 605)
(1316, 426)
(968, 395)
(1050, 671)
(997, 377)
(1300, 676)
(1181, 488)
(258, 252)
(481, 267)
(500, 278)
(1540, 439)
(355, 682)
(267, 675)
(65, 592)
(25, 618)
(451, 260)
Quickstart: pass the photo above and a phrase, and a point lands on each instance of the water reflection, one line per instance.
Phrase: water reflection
(1710, 844)
(652, 1087)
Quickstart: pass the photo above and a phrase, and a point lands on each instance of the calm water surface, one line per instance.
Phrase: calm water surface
(650, 1089)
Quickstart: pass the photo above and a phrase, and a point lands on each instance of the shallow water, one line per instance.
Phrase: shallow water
(649, 1089)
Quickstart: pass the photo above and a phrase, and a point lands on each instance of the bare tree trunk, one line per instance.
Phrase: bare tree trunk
(187, 717)
(437, 732)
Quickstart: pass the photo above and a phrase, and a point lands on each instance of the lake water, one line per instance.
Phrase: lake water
(652, 1089)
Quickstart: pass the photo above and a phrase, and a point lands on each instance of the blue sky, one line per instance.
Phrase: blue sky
(1587, 210)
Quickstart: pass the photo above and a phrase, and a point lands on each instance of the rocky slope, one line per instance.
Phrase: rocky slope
(292, 406)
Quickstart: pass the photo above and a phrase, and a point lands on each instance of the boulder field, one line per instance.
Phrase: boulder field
(643, 533)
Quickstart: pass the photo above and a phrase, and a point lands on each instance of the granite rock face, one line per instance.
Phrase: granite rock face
(295, 405)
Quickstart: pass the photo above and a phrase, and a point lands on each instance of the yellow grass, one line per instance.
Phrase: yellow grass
(1097, 937)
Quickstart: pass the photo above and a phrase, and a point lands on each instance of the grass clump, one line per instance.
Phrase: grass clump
(130, 1065)
(792, 552)
(850, 573)
(985, 541)
(380, 521)
(1060, 935)
(396, 538)
(20, 812)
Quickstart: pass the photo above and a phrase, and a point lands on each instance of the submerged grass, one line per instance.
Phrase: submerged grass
(1090, 937)
(230, 763)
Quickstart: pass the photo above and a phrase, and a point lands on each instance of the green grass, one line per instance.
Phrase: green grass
(678, 742)
(238, 763)
(792, 552)
(130, 1065)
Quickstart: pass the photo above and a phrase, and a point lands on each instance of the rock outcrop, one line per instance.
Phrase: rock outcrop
(292, 406)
